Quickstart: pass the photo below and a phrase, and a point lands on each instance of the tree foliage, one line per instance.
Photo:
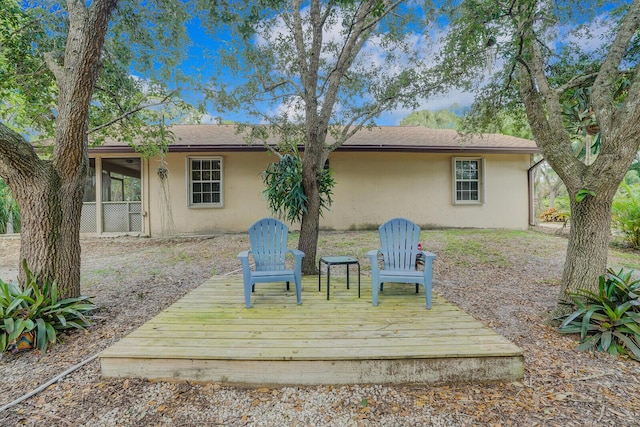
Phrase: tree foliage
(138, 83)
(440, 119)
(553, 63)
(70, 72)
(322, 71)
(9, 211)
(284, 190)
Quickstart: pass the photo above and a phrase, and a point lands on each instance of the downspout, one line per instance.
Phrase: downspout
(531, 185)
(146, 200)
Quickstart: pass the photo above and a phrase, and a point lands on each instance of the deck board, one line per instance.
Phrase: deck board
(208, 335)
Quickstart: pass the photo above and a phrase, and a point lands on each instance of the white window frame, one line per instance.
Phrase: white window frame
(479, 180)
(190, 182)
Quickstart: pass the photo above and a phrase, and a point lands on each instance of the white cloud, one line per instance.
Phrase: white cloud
(374, 55)
(454, 99)
(591, 37)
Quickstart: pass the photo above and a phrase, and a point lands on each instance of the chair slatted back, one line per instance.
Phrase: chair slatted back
(269, 244)
(399, 238)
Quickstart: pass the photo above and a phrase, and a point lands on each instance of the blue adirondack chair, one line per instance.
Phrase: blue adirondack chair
(399, 250)
(269, 249)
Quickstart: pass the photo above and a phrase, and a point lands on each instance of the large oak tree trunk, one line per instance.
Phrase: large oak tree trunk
(587, 248)
(619, 124)
(49, 192)
(50, 229)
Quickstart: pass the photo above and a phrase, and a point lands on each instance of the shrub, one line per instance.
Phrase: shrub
(552, 215)
(37, 308)
(625, 214)
(609, 320)
(284, 189)
(9, 210)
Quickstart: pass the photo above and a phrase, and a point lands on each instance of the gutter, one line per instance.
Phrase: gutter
(530, 182)
(344, 148)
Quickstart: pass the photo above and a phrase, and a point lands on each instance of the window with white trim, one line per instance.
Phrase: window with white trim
(468, 180)
(205, 181)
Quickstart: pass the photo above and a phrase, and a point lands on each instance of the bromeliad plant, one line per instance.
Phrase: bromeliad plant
(609, 320)
(37, 308)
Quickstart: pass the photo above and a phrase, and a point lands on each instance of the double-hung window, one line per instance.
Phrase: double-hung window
(205, 181)
(468, 180)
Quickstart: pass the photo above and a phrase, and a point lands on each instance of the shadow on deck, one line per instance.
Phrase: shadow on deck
(208, 335)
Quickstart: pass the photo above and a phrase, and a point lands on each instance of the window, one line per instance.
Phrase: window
(468, 181)
(205, 181)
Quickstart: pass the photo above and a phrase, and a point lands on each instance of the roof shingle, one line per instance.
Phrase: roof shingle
(384, 138)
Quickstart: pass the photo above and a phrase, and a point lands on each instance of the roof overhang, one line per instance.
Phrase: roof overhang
(179, 148)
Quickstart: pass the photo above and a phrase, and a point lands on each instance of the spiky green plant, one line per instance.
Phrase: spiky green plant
(37, 308)
(610, 319)
(284, 191)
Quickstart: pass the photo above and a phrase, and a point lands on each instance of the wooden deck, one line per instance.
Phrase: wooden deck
(209, 336)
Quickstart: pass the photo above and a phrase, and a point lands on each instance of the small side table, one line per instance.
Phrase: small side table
(337, 260)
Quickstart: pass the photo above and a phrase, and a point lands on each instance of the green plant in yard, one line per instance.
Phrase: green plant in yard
(37, 308)
(9, 210)
(283, 182)
(610, 319)
(625, 214)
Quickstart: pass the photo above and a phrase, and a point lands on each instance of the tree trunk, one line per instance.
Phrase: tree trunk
(50, 231)
(50, 209)
(49, 193)
(309, 230)
(587, 248)
(312, 164)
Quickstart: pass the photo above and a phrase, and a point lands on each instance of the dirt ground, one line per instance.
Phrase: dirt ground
(508, 280)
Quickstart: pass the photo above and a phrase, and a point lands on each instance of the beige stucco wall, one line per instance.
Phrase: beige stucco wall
(243, 202)
(371, 188)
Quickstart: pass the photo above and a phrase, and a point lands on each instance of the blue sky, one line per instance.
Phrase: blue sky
(199, 63)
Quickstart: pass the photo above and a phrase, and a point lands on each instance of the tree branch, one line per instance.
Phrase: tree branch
(271, 149)
(577, 81)
(129, 113)
(54, 67)
(604, 84)
(18, 159)
(114, 97)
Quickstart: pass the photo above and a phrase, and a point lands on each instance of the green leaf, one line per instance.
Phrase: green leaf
(61, 320)
(18, 302)
(585, 324)
(583, 193)
(571, 317)
(606, 340)
(573, 328)
(629, 344)
(589, 343)
(51, 334)
(9, 325)
(42, 334)
(17, 330)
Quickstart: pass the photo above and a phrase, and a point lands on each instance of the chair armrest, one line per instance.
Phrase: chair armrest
(373, 254)
(373, 258)
(296, 253)
(426, 254)
(246, 267)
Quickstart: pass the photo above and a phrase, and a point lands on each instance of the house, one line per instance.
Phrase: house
(210, 181)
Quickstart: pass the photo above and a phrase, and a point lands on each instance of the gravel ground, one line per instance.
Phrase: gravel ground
(508, 280)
